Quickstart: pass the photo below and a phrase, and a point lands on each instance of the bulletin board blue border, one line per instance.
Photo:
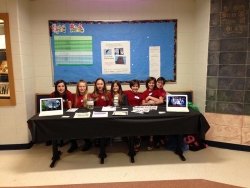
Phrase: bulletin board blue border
(141, 33)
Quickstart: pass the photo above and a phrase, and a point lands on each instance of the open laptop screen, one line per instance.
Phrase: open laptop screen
(177, 101)
(51, 106)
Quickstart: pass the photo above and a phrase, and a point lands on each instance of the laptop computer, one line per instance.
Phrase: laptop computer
(51, 107)
(177, 103)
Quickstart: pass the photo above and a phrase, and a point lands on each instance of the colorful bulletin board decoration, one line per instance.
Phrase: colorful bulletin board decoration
(113, 50)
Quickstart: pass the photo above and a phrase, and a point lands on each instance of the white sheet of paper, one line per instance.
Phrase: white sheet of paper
(138, 111)
(145, 108)
(154, 61)
(108, 108)
(82, 115)
(120, 113)
(72, 110)
(100, 114)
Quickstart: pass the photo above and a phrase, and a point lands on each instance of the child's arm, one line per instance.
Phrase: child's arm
(154, 100)
(150, 102)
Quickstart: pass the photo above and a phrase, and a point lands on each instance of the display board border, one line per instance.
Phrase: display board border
(52, 32)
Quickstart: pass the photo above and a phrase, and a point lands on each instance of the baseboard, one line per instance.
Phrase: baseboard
(228, 146)
(210, 143)
(16, 146)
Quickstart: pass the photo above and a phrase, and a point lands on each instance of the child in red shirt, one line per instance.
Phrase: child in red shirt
(160, 82)
(118, 96)
(101, 97)
(61, 91)
(134, 98)
(80, 100)
(152, 96)
(100, 94)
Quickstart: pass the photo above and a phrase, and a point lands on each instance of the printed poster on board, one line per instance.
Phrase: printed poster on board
(115, 57)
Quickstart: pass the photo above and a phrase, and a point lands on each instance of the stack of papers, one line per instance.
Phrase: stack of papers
(143, 109)
(139, 111)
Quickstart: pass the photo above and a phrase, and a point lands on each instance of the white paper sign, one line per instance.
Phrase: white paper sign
(100, 114)
(154, 61)
(115, 57)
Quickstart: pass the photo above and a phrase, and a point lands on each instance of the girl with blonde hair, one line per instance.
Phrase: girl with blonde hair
(81, 97)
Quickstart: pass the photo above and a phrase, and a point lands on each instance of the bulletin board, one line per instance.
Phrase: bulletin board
(80, 50)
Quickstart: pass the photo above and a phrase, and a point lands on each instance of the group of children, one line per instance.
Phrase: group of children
(153, 95)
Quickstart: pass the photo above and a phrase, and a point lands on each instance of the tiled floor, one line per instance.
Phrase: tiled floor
(31, 167)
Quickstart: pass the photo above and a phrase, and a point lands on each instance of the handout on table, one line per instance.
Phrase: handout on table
(72, 110)
(100, 114)
(82, 115)
(108, 108)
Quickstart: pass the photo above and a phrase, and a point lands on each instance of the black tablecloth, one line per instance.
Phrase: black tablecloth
(152, 123)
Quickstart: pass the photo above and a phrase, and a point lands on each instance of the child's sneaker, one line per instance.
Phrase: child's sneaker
(137, 142)
(150, 145)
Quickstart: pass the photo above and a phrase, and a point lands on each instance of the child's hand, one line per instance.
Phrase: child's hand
(151, 102)
(69, 104)
(148, 98)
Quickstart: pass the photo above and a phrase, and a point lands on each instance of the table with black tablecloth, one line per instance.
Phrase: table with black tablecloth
(153, 123)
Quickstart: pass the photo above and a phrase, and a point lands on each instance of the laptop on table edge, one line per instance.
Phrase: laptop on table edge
(51, 107)
(177, 103)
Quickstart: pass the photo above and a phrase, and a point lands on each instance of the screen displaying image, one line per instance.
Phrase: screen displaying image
(53, 104)
(177, 101)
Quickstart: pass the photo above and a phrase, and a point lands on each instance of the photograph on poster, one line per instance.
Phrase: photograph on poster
(119, 51)
(120, 60)
(116, 64)
(107, 52)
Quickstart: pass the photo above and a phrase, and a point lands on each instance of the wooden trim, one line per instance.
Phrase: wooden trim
(12, 100)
